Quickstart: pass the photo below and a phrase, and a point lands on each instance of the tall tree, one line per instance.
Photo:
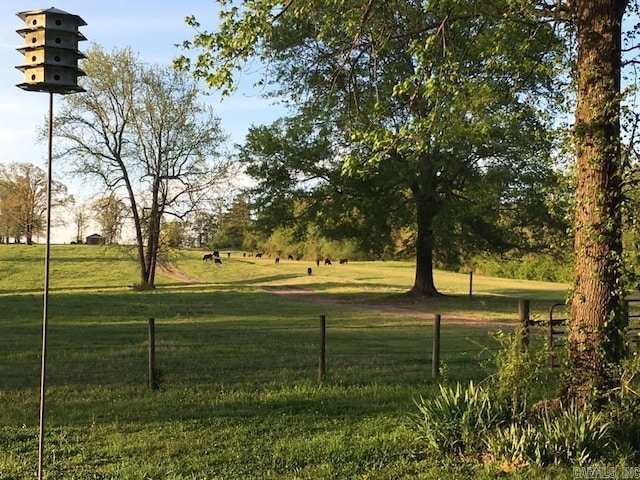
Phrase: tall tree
(110, 214)
(174, 234)
(597, 318)
(299, 184)
(80, 217)
(23, 199)
(234, 224)
(143, 133)
(204, 227)
(433, 95)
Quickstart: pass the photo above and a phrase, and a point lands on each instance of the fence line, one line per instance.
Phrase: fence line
(183, 353)
(177, 353)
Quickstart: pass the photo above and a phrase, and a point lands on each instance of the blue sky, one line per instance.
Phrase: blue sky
(150, 28)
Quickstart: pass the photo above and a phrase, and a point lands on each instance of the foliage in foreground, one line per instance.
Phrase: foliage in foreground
(498, 423)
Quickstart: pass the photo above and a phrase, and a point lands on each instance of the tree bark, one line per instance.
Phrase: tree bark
(596, 317)
(426, 209)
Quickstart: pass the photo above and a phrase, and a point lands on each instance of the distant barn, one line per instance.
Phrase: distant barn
(94, 239)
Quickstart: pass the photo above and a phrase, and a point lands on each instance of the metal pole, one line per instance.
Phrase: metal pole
(45, 309)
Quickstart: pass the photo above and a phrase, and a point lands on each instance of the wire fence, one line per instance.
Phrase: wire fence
(241, 353)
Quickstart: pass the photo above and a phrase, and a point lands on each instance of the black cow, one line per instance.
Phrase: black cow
(343, 261)
(207, 256)
(277, 259)
(309, 271)
(290, 257)
(258, 255)
(327, 261)
(217, 261)
(216, 253)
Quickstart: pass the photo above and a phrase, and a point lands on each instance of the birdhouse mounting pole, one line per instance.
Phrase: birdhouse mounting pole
(45, 309)
(50, 64)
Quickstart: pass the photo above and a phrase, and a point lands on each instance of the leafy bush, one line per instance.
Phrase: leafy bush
(515, 445)
(456, 420)
(623, 410)
(570, 435)
(521, 375)
(494, 421)
(573, 434)
(531, 267)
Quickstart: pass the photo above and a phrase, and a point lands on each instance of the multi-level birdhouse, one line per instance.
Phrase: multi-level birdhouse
(51, 51)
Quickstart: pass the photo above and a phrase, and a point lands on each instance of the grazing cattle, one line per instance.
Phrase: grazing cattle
(228, 254)
(277, 259)
(290, 257)
(327, 261)
(216, 253)
(258, 255)
(343, 260)
(218, 261)
(299, 257)
(309, 271)
(207, 256)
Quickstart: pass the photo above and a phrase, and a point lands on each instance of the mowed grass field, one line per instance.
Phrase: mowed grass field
(239, 396)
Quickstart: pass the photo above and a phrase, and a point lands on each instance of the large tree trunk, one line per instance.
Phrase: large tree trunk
(596, 318)
(424, 285)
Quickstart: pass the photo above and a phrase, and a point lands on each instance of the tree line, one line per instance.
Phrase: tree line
(23, 203)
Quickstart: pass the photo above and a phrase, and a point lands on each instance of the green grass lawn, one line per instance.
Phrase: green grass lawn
(239, 396)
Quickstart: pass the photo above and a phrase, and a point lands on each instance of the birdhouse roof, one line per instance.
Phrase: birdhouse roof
(54, 11)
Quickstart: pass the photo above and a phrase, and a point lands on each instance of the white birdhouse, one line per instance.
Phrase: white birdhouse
(51, 51)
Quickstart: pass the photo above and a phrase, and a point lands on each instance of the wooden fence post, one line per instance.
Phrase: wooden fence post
(435, 359)
(153, 384)
(471, 283)
(523, 315)
(626, 313)
(322, 353)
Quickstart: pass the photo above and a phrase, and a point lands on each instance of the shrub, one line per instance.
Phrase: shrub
(570, 435)
(457, 419)
(573, 434)
(623, 410)
(531, 267)
(494, 420)
(520, 375)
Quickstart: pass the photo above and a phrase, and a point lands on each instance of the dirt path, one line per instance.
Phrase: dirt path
(175, 273)
(170, 270)
(316, 297)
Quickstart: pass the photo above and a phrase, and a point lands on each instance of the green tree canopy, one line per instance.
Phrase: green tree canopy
(436, 99)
